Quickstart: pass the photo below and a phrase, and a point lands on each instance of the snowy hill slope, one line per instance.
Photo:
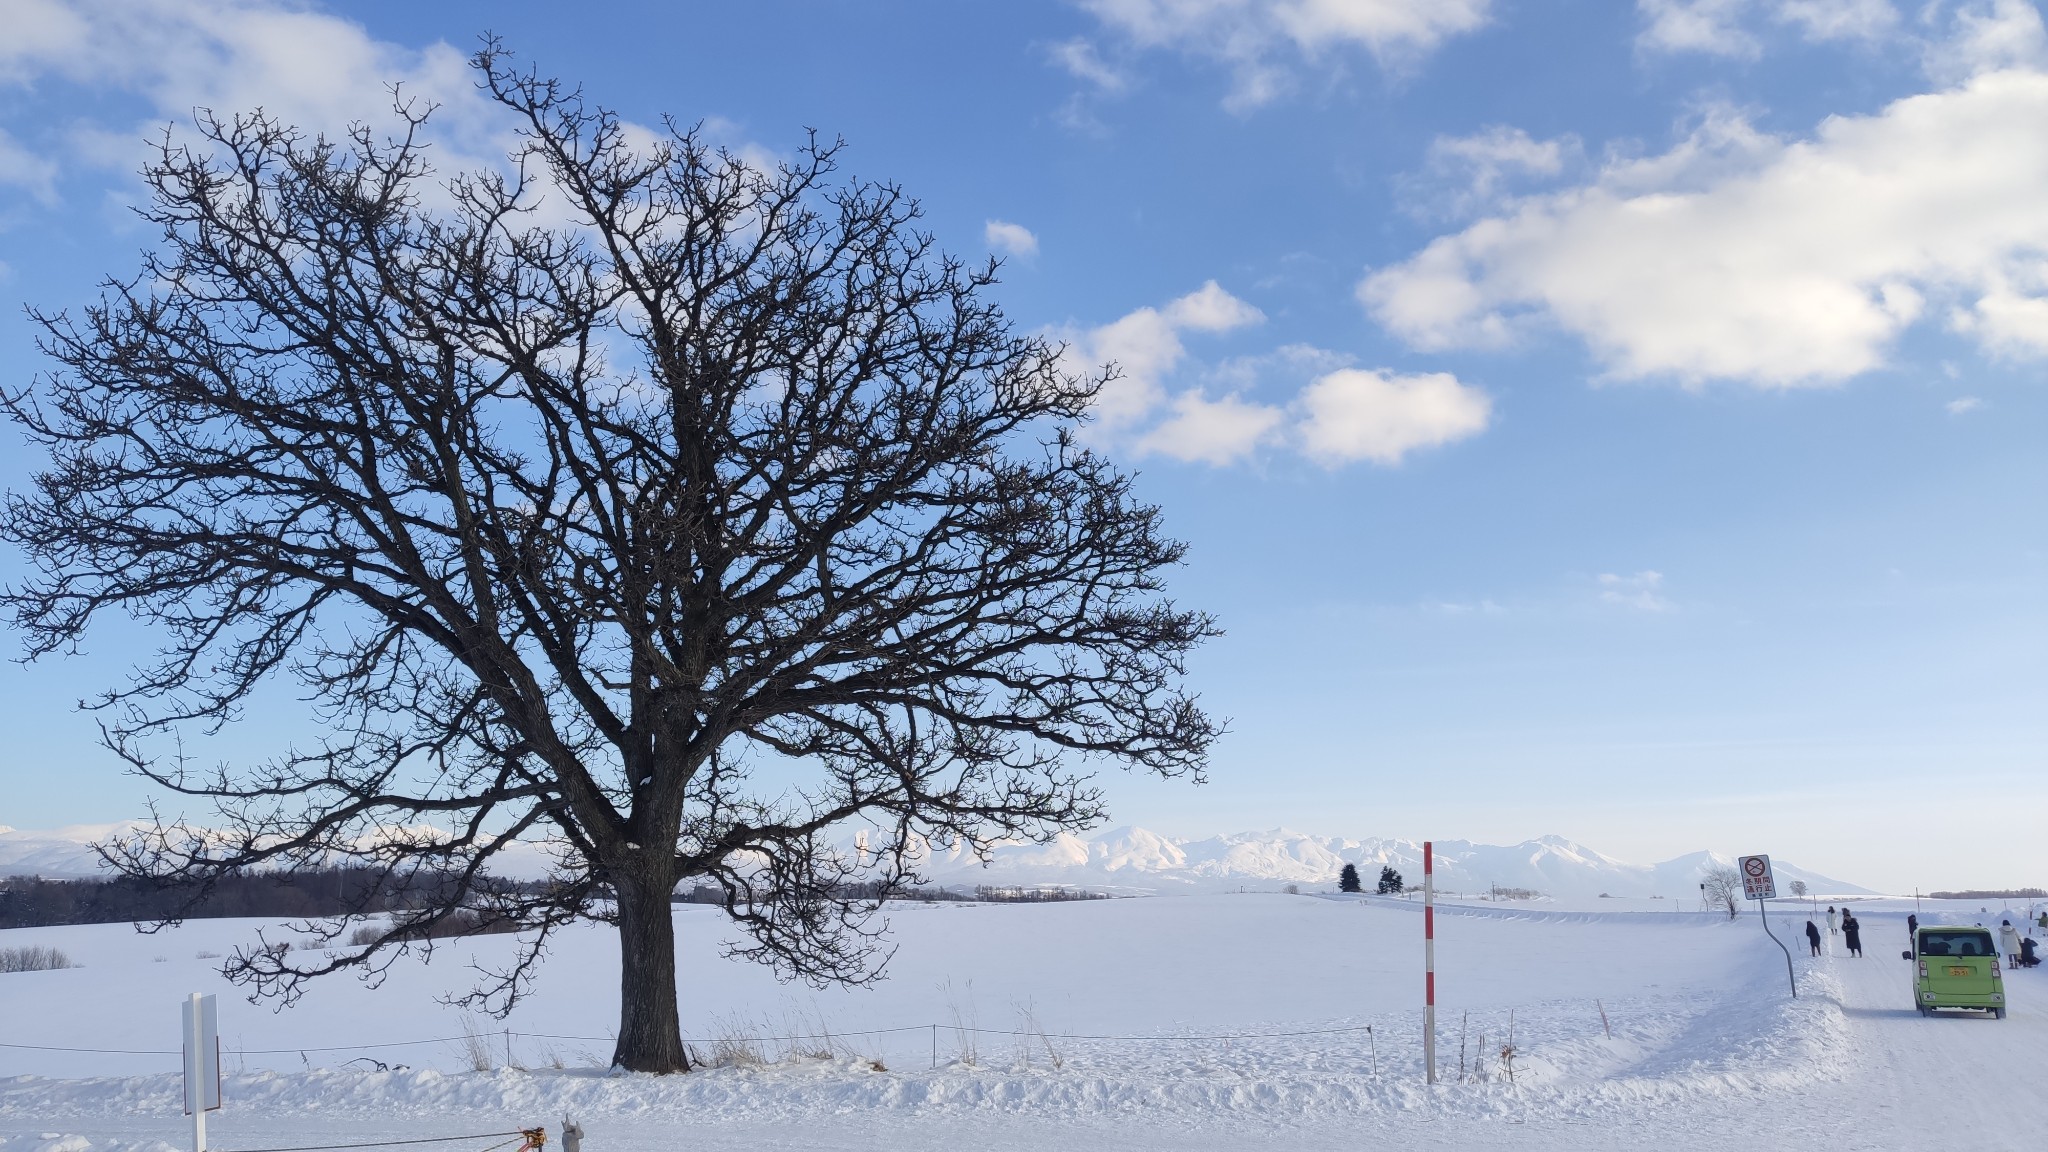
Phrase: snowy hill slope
(56, 854)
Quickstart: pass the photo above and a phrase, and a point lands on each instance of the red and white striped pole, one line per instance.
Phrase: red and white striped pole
(1429, 958)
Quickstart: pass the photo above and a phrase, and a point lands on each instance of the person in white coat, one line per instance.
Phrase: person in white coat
(2009, 943)
(1832, 920)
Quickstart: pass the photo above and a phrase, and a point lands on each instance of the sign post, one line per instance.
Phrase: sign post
(202, 1064)
(1429, 958)
(1759, 885)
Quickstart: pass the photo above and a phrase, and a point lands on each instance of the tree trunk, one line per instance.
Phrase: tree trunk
(650, 1034)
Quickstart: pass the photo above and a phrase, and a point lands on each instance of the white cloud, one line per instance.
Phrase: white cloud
(1986, 36)
(2011, 317)
(1726, 27)
(1260, 40)
(1145, 346)
(21, 168)
(1839, 19)
(1081, 61)
(1468, 174)
(1742, 256)
(1712, 26)
(304, 67)
(1212, 431)
(231, 55)
(1640, 592)
(1014, 239)
(1353, 414)
(1963, 404)
(1343, 415)
(39, 31)
(1211, 309)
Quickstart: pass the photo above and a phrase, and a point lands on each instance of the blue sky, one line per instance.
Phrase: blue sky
(1622, 421)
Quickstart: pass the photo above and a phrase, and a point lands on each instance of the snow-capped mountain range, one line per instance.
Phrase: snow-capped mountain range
(1135, 860)
(57, 853)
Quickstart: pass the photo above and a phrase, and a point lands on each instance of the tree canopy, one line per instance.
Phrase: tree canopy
(688, 517)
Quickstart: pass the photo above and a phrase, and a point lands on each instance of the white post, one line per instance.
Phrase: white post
(202, 1064)
(1429, 958)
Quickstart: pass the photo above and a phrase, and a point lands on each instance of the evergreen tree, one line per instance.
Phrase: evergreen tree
(1347, 880)
(1390, 880)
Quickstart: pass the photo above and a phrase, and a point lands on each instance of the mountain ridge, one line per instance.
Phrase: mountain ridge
(1137, 859)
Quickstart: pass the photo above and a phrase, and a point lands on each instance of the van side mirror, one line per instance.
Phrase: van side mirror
(1906, 955)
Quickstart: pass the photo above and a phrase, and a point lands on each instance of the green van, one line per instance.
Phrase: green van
(1958, 968)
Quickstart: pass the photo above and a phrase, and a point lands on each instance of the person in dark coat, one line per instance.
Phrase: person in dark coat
(1852, 933)
(1813, 937)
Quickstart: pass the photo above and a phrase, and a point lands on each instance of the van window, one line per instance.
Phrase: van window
(1974, 942)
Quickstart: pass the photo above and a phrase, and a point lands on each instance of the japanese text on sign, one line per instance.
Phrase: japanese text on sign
(1757, 883)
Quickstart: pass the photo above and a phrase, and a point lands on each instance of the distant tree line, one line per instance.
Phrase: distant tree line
(33, 902)
(1991, 894)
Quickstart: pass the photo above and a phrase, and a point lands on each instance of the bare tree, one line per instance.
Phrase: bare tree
(1721, 887)
(1799, 889)
(716, 521)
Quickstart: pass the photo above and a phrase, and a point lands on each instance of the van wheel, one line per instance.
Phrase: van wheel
(1998, 1013)
(1923, 1009)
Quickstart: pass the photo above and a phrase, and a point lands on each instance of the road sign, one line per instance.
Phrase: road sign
(1757, 883)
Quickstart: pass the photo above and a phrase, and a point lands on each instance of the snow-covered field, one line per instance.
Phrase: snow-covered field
(1212, 1021)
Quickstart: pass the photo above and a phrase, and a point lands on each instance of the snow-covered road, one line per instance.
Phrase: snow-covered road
(1706, 1050)
(1914, 1082)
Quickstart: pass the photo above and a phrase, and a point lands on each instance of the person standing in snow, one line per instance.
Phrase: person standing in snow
(1831, 919)
(1852, 933)
(2009, 943)
(1813, 937)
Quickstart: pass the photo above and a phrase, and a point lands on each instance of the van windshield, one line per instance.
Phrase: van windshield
(1974, 942)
